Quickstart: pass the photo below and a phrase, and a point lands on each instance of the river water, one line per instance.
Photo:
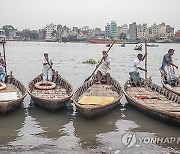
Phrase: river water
(30, 129)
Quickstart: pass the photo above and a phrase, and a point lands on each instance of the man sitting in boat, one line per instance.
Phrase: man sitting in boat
(2, 69)
(166, 69)
(47, 68)
(133, 72)
(104, 68)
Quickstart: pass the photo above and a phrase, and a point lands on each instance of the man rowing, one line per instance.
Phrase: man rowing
(134, 69)
(47, 67)
(104, 68)
(166, 67)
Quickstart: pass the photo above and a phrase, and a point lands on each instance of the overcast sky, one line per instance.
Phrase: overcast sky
(36, 14)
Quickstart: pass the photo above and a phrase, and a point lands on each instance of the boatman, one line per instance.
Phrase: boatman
(166, 67)
(47, 67)
(2, 69)
(133, 71)
(104, 68)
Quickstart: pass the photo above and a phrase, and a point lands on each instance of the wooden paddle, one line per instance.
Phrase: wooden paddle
(4, 57)
(146, 58)
(99, 63)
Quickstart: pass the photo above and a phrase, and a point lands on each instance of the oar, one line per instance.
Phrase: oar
(4, 56)
(99, 63)
(146, 58)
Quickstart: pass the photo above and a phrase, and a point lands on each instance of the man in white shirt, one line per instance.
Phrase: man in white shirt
(133, 71)
(47, 68)
(104, 68)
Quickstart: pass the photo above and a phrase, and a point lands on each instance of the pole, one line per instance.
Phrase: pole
(146, 58)
(4, 56)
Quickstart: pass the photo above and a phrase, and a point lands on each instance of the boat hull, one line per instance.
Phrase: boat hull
(105, 41)
(155, 115)
(175, 90)
(91, 111)
(7, 106)
(53, 99)
(157, 107)
(50, 105)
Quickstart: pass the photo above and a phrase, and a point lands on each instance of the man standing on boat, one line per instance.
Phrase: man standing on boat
(2, 69)
(133, 72)
(47, 67)
(104, 68)
(166, 69)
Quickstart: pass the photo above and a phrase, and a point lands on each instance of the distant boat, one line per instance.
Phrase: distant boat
(2, 36)
(164, 41)
(107, 45)
(107, 41)
(138, 47)
(123, 45)
(50, 39)
(152, 45)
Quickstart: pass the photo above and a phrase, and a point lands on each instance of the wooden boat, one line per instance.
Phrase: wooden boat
(123, 45)
(107, 45)
(154, 101)
(107, 41)
(93, 99)
(52, 99)
(138, 47)
(152, 45)
(12, 96)
(175, 89)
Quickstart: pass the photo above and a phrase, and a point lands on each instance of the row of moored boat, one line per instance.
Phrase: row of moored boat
(92, 99)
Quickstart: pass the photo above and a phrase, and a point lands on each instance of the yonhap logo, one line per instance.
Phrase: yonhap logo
(129, 139)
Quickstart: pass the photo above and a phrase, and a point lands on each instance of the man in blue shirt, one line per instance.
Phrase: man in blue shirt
(2, 69)
(166, 69)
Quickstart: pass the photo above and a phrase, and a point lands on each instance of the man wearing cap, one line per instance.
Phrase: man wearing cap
(135, 66)
(47, 67)
(104, 68)
(166, 69)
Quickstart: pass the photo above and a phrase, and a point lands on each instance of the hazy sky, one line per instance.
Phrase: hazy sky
(36, 14)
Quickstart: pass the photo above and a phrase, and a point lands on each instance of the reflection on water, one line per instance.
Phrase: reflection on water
(147, 124)
(10, 126)
(88, 130)
(39, 131)
(53, 124)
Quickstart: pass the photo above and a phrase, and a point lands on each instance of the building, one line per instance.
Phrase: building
(142, 32)
(51, 33)
(169, 31)
(113, 30)
(2, 36)
(162, 31)
(107, 31)
(132, 31)
(119, 31)
(154, 31)
(124, 29)
(177, 36)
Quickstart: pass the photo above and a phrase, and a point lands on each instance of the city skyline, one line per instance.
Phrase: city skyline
(37, 14)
